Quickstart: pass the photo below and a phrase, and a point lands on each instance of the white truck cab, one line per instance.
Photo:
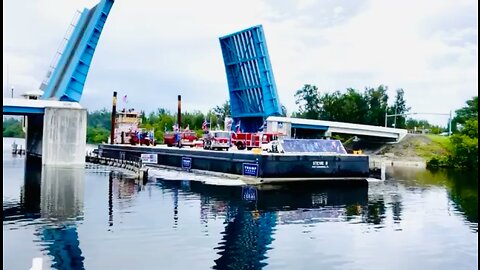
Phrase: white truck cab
(217, 139)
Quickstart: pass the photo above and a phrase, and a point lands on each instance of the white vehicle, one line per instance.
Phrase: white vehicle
(217, 139)
(273, 147)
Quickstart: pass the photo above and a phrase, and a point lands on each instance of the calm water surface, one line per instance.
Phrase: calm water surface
(93, 219)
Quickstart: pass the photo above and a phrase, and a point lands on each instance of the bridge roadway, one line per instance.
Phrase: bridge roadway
(20, 106)
(289, 126)
(52, 128)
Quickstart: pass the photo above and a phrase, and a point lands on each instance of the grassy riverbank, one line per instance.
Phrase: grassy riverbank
(431, 150)
(437, 146)
(416, 147)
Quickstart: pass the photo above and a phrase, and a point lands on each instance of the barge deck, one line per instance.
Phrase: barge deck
(252, 168)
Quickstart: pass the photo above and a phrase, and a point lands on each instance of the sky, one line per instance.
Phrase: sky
(153, 51)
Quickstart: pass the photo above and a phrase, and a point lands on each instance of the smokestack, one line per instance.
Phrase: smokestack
(179, 116)
(114, 113)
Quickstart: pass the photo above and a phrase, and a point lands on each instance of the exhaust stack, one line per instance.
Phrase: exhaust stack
(179, 113)
(114, 113)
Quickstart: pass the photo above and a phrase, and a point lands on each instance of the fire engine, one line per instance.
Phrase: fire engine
(187, 138)
(142, 137)
(216, 139)
(252, 140)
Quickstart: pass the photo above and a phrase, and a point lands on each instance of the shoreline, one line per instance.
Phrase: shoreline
(375, 161)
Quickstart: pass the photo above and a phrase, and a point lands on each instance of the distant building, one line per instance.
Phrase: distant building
(35, 94)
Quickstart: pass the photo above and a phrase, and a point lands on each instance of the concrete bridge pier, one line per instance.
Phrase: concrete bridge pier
(58, 136)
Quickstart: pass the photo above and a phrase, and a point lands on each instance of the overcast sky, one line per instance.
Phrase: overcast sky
(152, 51)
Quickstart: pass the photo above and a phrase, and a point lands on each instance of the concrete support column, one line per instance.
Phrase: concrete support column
(34, 136)
(64, 137)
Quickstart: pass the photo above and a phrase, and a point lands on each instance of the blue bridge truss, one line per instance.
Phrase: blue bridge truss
(67, 80)
(252, 89)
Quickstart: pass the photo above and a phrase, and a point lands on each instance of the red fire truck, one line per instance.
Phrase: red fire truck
(252, 140)
(216, 139)
(143, 138)
(187, 138)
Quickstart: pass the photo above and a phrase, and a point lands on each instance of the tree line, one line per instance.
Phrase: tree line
(161, 120)
(353, 106)
(369, 107)
(12, 128)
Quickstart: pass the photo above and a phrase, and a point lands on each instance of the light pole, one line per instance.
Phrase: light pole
(395, 119)
(395, 115)
(386, 118)
(450, 124)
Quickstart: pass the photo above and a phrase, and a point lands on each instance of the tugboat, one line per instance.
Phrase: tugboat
(127, 130)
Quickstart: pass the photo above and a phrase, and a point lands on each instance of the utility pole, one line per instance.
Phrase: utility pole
(395, 120)
(385, 118)
(450, 124)
(114, 112)
(179, 113)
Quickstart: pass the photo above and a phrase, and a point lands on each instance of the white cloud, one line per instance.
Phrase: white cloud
(304, 4)
(153, 49)
(337, 11)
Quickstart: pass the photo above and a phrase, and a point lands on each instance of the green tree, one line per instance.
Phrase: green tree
(13, 128)
(399, 107)
(308, 100)
(418, 124)
(97, 135)
(223, 110)
(464, 144)
(102, 118)
(467, 112)
(377, 105)
(331, 107)
(465, 151)
(354, 107)
(284, 111)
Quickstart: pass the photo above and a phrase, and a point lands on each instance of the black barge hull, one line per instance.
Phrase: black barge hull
(265, 166)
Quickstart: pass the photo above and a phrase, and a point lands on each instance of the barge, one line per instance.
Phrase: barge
(291, 160)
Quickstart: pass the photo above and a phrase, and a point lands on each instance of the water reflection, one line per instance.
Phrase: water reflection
(31, 190)
(397, 207)
(461, 186)
(123, 188)
(250, 224)
(29, 207)
(54, 197)
(62, 193)
(375, 213)
(416, 219)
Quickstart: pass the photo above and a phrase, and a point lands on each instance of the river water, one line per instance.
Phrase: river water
(90, 218)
